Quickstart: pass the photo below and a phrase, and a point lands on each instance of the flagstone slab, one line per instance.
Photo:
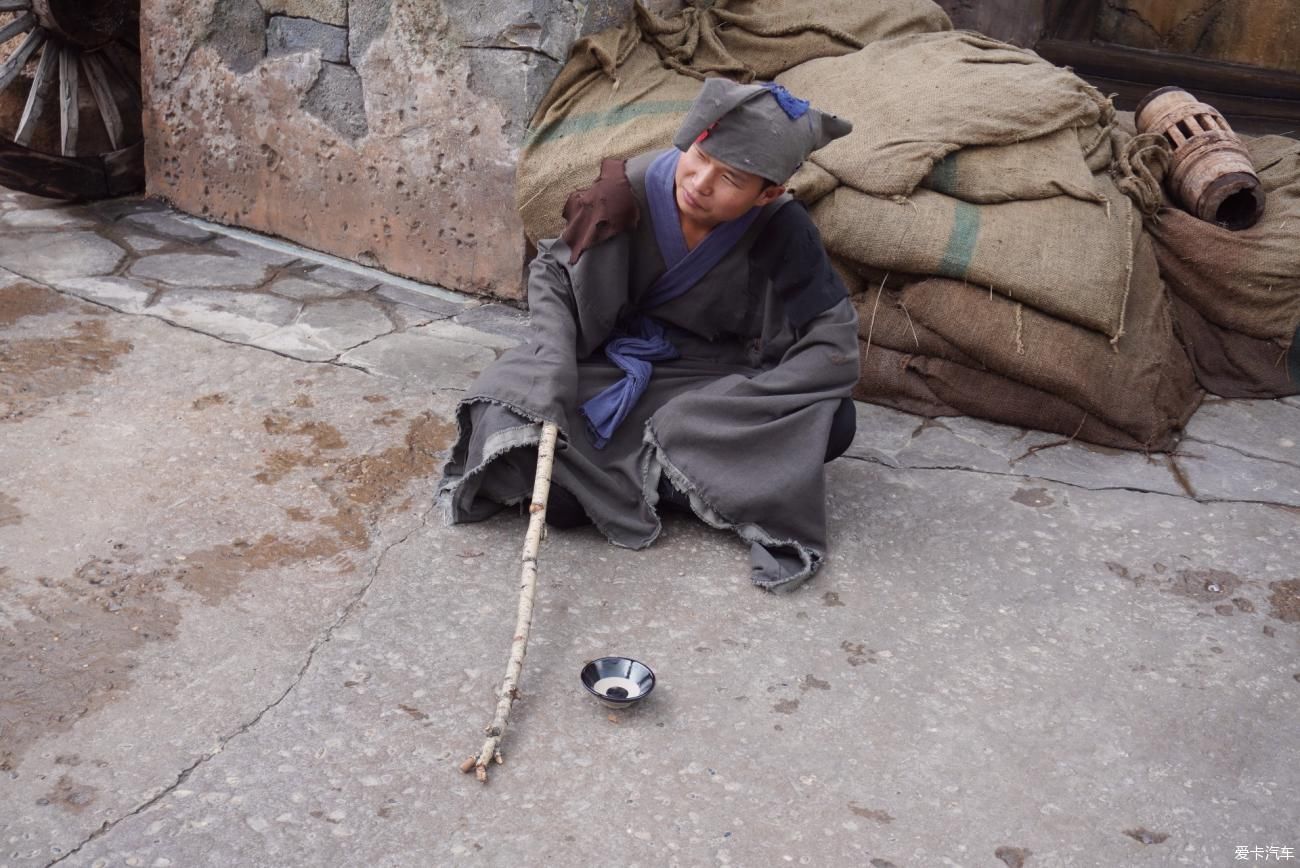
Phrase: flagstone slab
(120, 293)
(272, 256)
(59, 255)
(484, 337)
(420, 357)
(141, 243)
(1269, 429)
(46, 218)
(1221, 473)
(326, 328)
(899, 439)
(422, 300)
(359, 282)
(201, 269)
(499, 319)
(292, 286)
(167, 223)
(235, 316)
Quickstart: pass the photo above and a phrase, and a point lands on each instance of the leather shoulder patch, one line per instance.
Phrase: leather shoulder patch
(601, 211)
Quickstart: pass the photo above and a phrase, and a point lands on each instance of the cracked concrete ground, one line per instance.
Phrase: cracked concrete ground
(234, 634)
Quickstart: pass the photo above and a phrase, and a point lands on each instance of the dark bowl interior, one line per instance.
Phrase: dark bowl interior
(618, 680)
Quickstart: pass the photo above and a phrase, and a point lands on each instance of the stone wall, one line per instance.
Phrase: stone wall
(1020, 22)
(382, 131)
(1259, 33)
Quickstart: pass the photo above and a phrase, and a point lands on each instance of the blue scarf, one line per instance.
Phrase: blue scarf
(644, 340)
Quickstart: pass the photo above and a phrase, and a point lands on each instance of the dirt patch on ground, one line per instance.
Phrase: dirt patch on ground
(871, 813)
(280, 463)
(1035, 497)
(1013, 857)
(1206, 586)
(361, 489)
(372, 479)
(66, 651)
(69, 795)
(1285, 600)
(1222, 589)
(215, 573)
(216, 399)
(37, 370)
(9, 511)
(1145, 836)
(68, 646)
(27, 299)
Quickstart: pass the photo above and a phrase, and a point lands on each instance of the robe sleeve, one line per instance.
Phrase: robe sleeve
(809, 309)
(572, 310)
(709, 441)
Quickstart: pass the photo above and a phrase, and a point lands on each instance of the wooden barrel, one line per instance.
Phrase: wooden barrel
(1210, 174)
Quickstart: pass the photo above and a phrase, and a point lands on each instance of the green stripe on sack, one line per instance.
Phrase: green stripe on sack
(599, 120)
(961, 242)
(943, 177)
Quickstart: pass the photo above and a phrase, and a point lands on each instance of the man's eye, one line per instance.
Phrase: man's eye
(730, 180)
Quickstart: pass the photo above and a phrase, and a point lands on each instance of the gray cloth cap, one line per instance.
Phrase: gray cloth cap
(753, 131)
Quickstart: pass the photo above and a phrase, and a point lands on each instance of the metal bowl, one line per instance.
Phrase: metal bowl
(618, 682)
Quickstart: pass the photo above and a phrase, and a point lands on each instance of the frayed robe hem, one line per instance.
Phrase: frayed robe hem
(654, 463)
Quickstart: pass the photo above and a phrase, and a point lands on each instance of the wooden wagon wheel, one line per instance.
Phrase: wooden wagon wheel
(70, 97)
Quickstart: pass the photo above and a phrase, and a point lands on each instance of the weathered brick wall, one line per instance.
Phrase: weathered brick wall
(383, 131)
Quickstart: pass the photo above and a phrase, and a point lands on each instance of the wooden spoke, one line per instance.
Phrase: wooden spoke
(97, 77)
(69, 114)
(21, 24)
(14, 65)
(43, 83)
(15, 5)
(127, 68)
(130, 38)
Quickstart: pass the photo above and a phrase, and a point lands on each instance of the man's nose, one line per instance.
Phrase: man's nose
(704, 179)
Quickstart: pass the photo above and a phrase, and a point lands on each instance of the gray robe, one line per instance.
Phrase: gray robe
(739, 422)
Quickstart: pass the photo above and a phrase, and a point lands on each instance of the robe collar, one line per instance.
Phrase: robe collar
(685, 267)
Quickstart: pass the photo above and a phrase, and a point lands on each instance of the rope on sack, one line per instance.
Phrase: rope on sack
(1142, 166)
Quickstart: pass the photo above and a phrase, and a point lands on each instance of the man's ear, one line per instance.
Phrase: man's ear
(769, 195)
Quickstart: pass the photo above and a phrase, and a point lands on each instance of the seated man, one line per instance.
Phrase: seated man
(691, 343)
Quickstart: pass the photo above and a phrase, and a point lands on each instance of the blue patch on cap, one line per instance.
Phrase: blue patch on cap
(794, 107)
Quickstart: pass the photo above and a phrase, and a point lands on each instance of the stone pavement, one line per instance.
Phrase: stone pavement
(233, 632)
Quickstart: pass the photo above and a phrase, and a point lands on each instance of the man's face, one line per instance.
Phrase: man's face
(710, 192)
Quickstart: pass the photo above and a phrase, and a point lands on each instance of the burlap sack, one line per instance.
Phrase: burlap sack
(1247, 281)
(885, 321)
(624, 91)
(1050, 165)
(915, 99)
(1062, 256)
(614, 98)
(1141, 384)
(811, 182)
(749, 39)
(1137, 391)
(1234, 365)
(931, 386)
(1097, 141)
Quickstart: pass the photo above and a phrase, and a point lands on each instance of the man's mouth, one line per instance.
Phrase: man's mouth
(691, 200)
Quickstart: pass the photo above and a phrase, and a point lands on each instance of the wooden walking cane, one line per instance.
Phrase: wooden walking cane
(524, 619)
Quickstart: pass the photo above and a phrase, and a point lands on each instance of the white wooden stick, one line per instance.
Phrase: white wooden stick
(524, 619)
